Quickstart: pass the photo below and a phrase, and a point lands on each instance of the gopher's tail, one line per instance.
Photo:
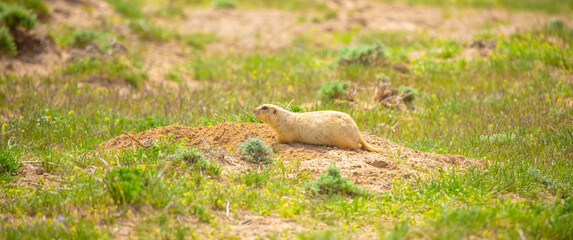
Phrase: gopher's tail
(367, 146)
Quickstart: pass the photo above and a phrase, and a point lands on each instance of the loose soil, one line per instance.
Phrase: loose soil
(373, 171)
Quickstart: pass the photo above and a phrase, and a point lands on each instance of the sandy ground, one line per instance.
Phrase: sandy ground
(373, 171)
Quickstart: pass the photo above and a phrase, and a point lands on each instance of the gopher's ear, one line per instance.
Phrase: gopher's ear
(274, 111)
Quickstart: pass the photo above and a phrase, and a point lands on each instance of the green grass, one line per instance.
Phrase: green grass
(512, 109)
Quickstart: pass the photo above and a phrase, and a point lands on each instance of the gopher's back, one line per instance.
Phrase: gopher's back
(327, 128)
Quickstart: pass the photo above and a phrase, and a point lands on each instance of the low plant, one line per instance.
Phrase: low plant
(362, 54)
(331, 182)
(124, 184)
(13, 16)
(198, 161)
(8, 164)
(333, 90)
(82, 37)
(130, 9)
(257, 177)
(256, 151)
(36, 6)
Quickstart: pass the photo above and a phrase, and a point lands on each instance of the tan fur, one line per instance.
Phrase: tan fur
(329, 128)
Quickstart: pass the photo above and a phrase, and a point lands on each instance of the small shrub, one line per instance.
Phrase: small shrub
(7, 45)
(124, 184)
(332, 182)
(363, 54)
(556, 24)
(13, 16)
(333, 90)
(36, 6)
(255, 150)
(8, 164)
(224, 4)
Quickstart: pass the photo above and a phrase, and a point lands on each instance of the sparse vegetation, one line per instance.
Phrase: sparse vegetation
(199, 40)
(111, 70)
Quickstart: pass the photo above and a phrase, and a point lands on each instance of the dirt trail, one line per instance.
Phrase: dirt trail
(374, 171)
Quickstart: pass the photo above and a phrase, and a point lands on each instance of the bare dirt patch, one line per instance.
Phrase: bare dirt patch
(31, 174)
(247, 30)
(374, 171)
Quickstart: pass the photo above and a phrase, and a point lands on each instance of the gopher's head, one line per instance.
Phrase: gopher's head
(268, 113)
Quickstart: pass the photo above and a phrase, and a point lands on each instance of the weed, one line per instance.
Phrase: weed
(82, 37)
(198, 161)
(256, 151)
(333, 90)
(254, 178)
(9, 165)
(125, 184)
(331, 182)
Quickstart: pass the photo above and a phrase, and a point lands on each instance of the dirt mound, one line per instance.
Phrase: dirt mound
(374, 171)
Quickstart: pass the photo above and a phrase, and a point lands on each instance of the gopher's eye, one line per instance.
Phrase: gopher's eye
(265, 108)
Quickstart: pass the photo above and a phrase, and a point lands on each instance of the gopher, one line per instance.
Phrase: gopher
(329, 128)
